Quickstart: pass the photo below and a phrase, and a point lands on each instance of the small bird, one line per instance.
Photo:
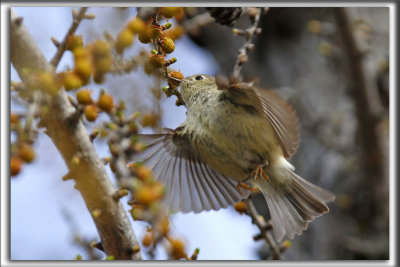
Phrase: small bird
(234, 138)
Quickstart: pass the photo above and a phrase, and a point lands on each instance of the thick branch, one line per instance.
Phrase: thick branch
(72, 140)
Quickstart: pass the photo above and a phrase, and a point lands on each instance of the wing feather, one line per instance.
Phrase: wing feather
(191, 185)
(278, 113)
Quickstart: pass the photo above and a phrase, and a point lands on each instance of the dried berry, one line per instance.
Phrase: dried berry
(14, 118)
(177, 248)
(157, 61)
(143, 173)
(147, 239)
(136, 25)
(240, 207)
(84, 68)
(177, 75)
(46, 82)
(174, 33)
(124, 39)
(15, 165)
(169, 12)
(26, 152)
(145, 35)
(73, 42)
(72, 81)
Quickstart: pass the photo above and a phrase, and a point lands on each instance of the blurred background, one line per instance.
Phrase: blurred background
(337, 82)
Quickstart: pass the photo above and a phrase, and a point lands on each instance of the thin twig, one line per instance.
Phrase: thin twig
(262, 226)
(250, 32)
(62, 46)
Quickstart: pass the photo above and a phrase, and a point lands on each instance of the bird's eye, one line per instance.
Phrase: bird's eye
(199, 77)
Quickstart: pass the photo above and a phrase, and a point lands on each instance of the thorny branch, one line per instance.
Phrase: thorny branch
(264, 229)
(77, 18)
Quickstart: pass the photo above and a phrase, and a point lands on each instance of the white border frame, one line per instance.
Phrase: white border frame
(5, 138)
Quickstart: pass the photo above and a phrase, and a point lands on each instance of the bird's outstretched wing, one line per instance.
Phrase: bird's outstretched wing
(278, 112)
(191, 185)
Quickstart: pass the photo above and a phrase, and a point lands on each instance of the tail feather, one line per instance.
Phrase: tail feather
(293, 204)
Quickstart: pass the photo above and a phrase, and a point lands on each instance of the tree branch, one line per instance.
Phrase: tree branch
(262, 226)
(370, 148)
(72, 140)
(249, 33)
(63, 45)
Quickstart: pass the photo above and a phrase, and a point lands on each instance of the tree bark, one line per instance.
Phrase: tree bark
(69, 135)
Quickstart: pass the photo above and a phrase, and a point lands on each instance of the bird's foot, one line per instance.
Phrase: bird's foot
(245, 186)
(259, 170)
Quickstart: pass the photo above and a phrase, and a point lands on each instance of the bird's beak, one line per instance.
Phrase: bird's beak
(174, 82)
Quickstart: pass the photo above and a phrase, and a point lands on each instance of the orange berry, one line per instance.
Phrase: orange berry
(124, 39)
(155, 33)
(143, 173)
(103, 65)
(158, 190)
(150, 119)
(84, 97)
(169, 12)
(91, 112)
(16, 164)
(81, 52)
(287, 244)
(72, 81)
(157, 61)
(163, 225)
(136, 25)
(144, 36)
(84, 68)
(14, 118)
(179, 14)
(105, 102)
(147, 239)
(177, 249)
(175, 32)
(73, 42)
(26, 152)
(177, 75)
(144, 195)
(240, 207)
(46, 82)
(100, 49)
(168, 45)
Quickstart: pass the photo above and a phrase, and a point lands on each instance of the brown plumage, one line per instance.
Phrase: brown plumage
(226, 136)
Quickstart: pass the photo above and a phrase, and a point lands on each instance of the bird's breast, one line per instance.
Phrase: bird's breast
(230, 138)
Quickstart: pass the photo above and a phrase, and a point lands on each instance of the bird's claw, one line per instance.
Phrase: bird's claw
(245, 186)
(259, 170)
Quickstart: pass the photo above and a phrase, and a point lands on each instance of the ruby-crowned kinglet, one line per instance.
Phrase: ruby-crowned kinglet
(233, 138)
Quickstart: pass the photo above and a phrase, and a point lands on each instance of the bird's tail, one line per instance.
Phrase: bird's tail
(292, 201)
